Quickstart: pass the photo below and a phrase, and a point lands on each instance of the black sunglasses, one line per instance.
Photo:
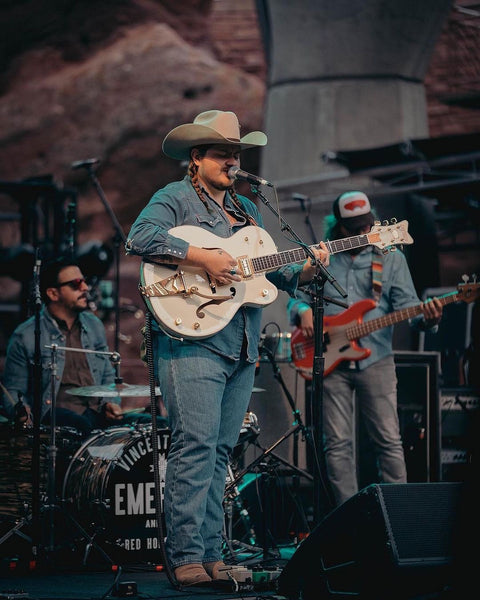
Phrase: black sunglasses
(75, 284)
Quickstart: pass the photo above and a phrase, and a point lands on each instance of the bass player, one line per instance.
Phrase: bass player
(371, 383)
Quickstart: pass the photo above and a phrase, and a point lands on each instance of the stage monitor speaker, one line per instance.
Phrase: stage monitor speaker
(387, 541)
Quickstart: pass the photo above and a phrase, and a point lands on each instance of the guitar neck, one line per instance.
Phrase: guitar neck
(297, 255)
(365, 327)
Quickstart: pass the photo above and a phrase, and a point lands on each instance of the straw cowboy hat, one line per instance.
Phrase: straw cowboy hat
(209, 127)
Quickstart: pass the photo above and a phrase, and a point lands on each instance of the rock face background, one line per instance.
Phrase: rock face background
(82, 79)
(109, 80)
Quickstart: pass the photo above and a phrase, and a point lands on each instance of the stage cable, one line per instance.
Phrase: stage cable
(156, 465)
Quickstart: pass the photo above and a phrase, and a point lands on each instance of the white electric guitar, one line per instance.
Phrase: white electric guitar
(187, 304)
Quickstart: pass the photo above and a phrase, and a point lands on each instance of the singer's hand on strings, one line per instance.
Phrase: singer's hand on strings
(218, 263)
(323, 255)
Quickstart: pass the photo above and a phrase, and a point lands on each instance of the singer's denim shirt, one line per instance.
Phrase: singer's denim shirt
(20, 359)
(178, 204)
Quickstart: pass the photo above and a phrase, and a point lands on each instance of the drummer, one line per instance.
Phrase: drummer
(64, 321)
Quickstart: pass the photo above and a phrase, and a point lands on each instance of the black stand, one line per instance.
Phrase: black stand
(118, 239)
(306, 204)
(231, 490)
(322, 502)
(37, 409)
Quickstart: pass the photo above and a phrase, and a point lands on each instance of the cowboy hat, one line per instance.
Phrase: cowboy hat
(209, 127)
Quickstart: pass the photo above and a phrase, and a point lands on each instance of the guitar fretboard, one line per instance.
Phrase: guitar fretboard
(287, 257)
(362, 329)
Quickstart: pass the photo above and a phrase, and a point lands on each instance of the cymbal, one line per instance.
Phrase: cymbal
(256, 389)
(113, 390)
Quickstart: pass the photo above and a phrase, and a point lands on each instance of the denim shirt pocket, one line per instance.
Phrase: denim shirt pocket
(211, 222)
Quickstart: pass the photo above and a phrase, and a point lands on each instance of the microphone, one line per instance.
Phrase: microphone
(301, 198)
(85, 164)
(237, 173)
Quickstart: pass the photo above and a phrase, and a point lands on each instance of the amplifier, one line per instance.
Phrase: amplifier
(459, 399)
(454, 456)
(457, 408)
(455, 464)
(459, 417)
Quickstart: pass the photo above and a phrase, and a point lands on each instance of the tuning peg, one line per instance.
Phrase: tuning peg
(385, 222)
(393, 220)
(393, 249)
(385, 250)
(465, 278)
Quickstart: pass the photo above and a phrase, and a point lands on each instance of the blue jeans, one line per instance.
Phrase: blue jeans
(206, 397)
(373, 391)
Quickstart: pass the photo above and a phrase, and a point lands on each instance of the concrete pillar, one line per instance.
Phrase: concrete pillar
(344, 74)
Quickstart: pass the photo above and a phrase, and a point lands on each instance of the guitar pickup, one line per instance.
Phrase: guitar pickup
(245, 265)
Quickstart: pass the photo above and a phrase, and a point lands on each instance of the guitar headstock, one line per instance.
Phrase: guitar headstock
(468, 291)
(388, 236)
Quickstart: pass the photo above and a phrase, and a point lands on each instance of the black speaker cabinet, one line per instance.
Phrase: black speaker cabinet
(388, 541)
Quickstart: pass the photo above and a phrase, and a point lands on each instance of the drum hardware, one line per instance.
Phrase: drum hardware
(233, 500)
(50, 507)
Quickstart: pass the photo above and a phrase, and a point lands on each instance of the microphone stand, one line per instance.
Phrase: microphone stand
(321, 501)
(306, 209)
(118, 238)
(37, 408)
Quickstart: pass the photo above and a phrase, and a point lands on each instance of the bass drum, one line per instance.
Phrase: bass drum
(110, 485)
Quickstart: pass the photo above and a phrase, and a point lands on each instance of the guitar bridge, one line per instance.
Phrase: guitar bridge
(170, 286)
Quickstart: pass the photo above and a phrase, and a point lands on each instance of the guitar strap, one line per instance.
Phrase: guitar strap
(377, 269)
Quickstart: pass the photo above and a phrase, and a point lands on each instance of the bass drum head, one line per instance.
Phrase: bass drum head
(110, 486)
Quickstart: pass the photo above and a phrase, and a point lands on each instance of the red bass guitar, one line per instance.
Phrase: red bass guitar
(340, 332)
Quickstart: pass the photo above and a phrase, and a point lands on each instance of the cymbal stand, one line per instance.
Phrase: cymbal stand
(232, 501)
(52, 505)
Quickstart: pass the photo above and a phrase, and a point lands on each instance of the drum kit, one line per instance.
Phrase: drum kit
(104, 484)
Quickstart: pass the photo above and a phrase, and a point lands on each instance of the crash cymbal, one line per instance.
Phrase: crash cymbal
(255, 389)
(113, 390)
